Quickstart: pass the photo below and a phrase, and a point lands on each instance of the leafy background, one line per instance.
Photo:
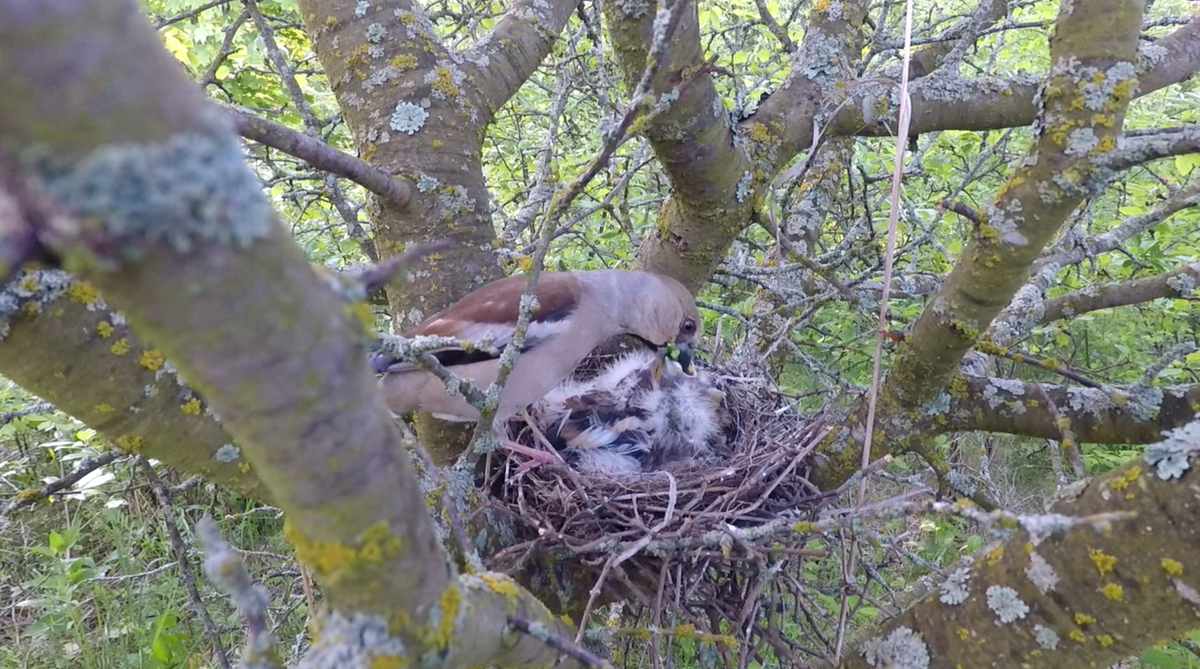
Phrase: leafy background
(90, 578)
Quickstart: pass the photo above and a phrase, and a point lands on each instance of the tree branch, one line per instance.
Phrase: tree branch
(1142, 146)
(1141, 414)
(304, 408)
(942, 102)
(1092, 54)
(1179, 282)
(507, 56)
(1039, 196)
(1074, 600)
(321, 156)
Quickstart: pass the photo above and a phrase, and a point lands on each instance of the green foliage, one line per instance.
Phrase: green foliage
(89, 578)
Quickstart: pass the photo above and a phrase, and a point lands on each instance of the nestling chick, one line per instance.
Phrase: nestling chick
(630, 418)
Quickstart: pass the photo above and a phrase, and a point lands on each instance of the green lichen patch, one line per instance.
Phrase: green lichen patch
(186, 189)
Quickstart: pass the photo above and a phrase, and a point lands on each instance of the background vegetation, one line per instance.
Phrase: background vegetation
(92, 576)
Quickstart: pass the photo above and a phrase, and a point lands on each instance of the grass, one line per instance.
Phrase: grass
(90, 578)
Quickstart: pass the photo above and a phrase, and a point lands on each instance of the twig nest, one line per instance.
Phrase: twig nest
(676, 463)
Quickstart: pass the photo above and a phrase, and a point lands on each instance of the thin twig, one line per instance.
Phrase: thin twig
(82, 468)
(574, 651)
(195, 601)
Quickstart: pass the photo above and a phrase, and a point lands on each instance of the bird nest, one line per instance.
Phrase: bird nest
(686, 544)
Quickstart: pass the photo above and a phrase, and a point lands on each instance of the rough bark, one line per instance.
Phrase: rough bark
(419, 111)
(1117, 415)
(942, 102)
(107, 378)
(1084, 100)
(1079, 599)
(209, 286)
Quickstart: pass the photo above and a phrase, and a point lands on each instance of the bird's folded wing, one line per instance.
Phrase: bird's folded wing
(489, 315)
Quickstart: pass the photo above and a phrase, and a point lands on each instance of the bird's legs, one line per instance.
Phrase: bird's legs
(537, 457)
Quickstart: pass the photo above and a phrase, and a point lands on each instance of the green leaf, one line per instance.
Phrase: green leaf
(1186, 163)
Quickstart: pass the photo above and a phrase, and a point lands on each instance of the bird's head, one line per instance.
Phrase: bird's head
(673, 324)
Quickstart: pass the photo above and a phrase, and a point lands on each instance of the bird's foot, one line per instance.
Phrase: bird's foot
(537, 457)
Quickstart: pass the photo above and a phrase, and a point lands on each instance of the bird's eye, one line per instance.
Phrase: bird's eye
(689, 326)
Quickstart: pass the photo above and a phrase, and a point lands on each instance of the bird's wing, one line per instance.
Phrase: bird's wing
(490, 313)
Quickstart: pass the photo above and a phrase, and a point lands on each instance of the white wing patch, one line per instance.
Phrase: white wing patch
(501, 333)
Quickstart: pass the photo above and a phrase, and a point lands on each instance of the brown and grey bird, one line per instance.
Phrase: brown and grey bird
(627, 420)
(577, 311)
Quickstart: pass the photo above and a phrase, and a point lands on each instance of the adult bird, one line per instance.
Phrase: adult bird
(577, 311)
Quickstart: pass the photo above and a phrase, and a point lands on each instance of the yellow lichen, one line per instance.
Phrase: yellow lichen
(404, 61)
(28, 493)
(1113, 591)
(1105, 640)
(448, 607)
(151, 359)
(963, 633)
(443, 81)
(1123, 481)
(1076, 635)
(104, 408)
(130, 443)
(501, 584)
(388, 662)
(104, 329)
(803, 526)
(1103, 561)
(191, 407)
(83, 292)
(1084, 619)
(1172, 567)
(994, 555)
(120, 346)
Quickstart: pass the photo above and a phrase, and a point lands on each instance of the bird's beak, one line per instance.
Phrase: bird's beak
(659, 367)
(685, 358)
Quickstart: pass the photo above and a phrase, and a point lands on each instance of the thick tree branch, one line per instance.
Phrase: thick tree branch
(321, 156)
(717, 172)
(502, 60)
(1076, 599)
(1047, 186)
(1092, 80)
(1142, 146)
(691, 138)
(1137, 415)
(943, 102)
(304, 408)
(824, 64)
(1179, 282)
